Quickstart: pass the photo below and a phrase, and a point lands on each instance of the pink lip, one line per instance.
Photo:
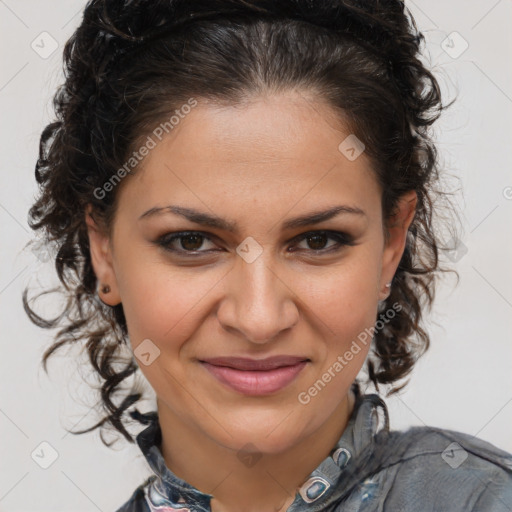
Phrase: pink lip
(256, 377)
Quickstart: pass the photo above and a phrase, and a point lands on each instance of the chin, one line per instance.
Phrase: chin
(269, 433)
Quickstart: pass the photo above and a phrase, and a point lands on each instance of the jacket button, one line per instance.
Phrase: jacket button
(313, 489)
(341, 457)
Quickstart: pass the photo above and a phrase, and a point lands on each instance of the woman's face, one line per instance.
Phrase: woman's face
(251, 285)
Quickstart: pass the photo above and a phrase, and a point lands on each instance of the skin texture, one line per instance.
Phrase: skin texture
(258, 164)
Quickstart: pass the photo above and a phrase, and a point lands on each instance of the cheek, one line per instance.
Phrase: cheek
(345, 297)
(346, 304)
(161, 302)
(167, 304)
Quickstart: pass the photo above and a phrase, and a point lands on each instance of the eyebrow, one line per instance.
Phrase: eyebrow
(214, 221)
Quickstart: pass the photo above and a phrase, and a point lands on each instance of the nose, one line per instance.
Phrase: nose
(259, 303)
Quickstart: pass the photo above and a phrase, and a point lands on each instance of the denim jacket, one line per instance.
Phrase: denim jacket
(370, 469)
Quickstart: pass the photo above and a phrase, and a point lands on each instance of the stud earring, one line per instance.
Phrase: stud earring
(387, 293)
(105, 288)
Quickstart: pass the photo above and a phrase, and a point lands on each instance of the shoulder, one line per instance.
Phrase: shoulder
(447, 469)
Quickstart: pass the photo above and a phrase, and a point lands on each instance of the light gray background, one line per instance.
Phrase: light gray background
(463, 383)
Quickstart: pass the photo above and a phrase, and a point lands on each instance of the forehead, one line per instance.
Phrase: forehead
(279, 150)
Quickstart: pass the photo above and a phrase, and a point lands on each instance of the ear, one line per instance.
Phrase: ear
(397, 227)
(101, 259)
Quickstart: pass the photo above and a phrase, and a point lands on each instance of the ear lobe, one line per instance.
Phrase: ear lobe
(397, 228)
(101, 260)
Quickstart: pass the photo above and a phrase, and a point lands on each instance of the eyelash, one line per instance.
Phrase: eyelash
(342, 239)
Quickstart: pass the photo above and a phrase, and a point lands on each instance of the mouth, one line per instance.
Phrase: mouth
(255, 377)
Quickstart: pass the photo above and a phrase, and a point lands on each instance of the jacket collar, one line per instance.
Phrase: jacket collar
(168, 493)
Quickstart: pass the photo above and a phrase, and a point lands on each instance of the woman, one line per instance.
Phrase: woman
(248, 188)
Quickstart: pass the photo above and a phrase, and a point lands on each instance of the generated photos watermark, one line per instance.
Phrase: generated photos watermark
(304, 397)
(151, 142)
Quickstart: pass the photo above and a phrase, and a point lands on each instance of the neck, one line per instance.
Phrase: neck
(264, 482)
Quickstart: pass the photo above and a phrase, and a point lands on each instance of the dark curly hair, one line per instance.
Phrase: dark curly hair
(131, 62)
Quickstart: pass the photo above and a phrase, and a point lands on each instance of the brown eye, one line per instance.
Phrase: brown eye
(189, 242)
(192, 242)
(317, 241)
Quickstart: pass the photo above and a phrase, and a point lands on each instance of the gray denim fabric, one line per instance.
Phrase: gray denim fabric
(371, 469)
